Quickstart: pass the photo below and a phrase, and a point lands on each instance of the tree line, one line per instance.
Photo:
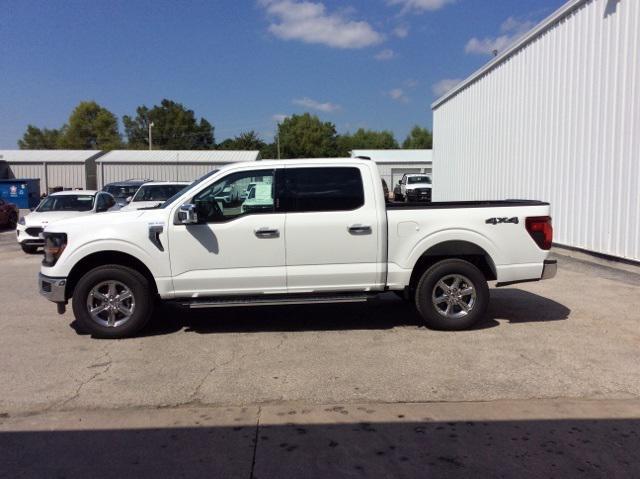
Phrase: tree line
(174, 127)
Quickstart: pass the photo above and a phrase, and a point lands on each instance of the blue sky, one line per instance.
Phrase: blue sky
(244, 64)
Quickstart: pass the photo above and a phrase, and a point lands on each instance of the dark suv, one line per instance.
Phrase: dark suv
(8, 214)
(122, 190)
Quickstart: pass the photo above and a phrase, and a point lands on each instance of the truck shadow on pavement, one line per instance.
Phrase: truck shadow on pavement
(340, 448)
(510, 305)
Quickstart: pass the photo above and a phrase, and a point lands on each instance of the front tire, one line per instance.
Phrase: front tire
(452, 295)
(113, 302)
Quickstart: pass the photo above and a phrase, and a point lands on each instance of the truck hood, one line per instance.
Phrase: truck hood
(42, 219)
(140, 204)
(91, 222)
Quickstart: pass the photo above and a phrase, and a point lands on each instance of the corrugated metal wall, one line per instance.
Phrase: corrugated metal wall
(66, 175)
(27, 170)
(559, 120)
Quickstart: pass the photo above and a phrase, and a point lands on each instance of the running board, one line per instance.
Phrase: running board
(274, 300)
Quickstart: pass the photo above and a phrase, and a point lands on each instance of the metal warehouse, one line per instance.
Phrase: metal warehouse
(392, 164)
(555, 117)
(55, 168)
(165, 165)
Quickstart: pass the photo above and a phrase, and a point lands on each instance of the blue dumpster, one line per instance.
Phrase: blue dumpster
(23, 192)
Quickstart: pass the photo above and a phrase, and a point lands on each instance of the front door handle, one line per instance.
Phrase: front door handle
(360, 229)
(267, 233)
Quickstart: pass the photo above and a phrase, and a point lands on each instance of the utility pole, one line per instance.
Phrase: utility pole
(278, 140)
(151, 125)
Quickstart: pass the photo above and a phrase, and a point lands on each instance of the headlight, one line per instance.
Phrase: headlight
(54, 245)
(21, 221)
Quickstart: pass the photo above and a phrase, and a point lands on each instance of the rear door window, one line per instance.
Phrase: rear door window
(322, 189)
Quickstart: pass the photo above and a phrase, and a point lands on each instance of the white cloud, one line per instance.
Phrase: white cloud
(386, 54)
(316, 105)
(310, 23)
(420, 6)
(444, 86)
(398, 95)
(411, 83)
(511, 30)
(401, 31)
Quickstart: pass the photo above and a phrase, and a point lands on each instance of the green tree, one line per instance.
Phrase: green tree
(174, 128)
(39, 139)
(419, 139)
(305, 136)
(366, 139)
(269, 151)
(91, 127)
(244, 141)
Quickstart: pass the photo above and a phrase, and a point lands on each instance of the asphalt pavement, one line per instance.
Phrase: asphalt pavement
(567, 350)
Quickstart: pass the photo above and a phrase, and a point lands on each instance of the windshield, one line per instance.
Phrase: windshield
(175, 197)
(418, 179)
(123, 191)
(157, 192)
(66, 203)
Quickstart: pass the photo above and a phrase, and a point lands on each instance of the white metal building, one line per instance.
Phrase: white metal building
(556, 117)
(392, 164)
(165, 165)
(54, 168)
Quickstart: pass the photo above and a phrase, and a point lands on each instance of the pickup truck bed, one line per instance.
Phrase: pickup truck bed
(462, 204)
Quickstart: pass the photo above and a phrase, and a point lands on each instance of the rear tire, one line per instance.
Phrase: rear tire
(29, 249)
(121, 299)
(452, 295)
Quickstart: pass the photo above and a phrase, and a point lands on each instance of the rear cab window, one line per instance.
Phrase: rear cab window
(321, 189)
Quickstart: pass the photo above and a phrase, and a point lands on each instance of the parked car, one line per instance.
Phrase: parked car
(153, 194)
(413, 187)
(123, 190)
(8, 214)
(324, 234)
(59, 206)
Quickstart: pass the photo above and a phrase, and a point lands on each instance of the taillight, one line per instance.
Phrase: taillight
(540, 229)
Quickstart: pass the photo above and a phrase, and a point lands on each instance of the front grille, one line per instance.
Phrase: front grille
(33, 231)
(423, 193)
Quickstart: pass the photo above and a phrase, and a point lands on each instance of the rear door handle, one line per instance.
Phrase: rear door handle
(360, 229)
(267, 233)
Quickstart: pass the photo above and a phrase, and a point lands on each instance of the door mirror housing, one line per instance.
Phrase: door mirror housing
(399, 182)
(129, 198)
(188, 214)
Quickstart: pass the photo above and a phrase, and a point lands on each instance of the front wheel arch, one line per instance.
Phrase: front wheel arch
(106, 258)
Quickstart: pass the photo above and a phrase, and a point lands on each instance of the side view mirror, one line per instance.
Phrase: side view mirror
(129, 198)
(399, 182)
(187, 214)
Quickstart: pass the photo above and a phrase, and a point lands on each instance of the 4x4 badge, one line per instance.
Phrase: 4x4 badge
(495, 221)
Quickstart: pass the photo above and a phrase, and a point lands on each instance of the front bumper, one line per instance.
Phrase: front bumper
(23, 236)
(52, 288)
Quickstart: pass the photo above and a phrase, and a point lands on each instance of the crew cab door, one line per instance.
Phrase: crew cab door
(332, 230)
(237, 246)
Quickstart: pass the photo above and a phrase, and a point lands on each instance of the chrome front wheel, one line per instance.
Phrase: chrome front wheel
(111, 303)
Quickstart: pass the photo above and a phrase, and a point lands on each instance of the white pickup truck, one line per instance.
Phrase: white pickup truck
(325, 235)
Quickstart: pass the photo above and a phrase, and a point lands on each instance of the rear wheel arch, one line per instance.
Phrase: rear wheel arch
(106, 258)
(454, 249)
